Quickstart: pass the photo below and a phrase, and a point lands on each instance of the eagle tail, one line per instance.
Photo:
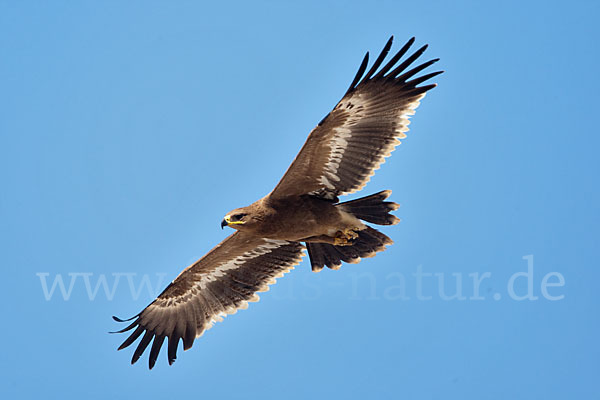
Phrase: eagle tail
(372, 208)
(368, 242)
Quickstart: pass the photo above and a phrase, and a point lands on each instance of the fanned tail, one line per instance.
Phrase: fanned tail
(373, 208)
(370, 241)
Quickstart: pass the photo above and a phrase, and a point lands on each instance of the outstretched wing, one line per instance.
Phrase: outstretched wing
(220, 283)
(350, 143)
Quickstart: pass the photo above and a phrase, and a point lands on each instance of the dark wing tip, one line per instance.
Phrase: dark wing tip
(132, 338)
(187, 332)
(155, 350)
(426, 88)
(172, 348)
(389, 43)
(127, 328)
(124, 320)
(379, 60)
(390, 64)
(417, 81)
(390, 70)
(359, 73)
(141, 346)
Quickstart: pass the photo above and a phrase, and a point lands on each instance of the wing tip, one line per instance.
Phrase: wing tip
(359, 73)
(114, 317)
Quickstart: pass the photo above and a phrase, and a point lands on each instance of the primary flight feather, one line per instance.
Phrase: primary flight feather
(338, 158)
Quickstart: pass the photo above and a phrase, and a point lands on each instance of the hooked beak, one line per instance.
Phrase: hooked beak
(228, 222)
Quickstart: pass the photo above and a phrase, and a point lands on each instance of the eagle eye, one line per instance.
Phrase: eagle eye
(237, 217)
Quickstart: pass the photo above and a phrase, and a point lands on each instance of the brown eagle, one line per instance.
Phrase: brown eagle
(338, 158)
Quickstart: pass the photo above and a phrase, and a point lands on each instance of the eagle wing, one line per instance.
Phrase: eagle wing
(352, 141)
(220, 283)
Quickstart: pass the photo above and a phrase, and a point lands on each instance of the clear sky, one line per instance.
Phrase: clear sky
(128, 129)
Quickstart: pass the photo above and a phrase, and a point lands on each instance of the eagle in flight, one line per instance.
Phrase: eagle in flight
(303, 211)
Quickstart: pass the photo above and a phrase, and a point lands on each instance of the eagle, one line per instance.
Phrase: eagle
(303, 211)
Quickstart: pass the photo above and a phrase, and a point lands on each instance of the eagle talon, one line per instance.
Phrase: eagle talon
(345, 237)
(340, 241)
(350, 234)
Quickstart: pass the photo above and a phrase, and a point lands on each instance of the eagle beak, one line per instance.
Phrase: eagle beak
(228, 222)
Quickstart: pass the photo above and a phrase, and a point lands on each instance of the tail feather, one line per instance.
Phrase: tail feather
(372, 209)
(318, 256)
(369, 242)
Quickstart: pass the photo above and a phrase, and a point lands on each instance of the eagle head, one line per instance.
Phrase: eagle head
(237, 218)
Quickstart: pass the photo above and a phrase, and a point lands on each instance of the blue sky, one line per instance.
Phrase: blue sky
(129, 129)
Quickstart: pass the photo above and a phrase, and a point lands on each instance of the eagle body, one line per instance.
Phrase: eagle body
(302, 212)
(297, 218)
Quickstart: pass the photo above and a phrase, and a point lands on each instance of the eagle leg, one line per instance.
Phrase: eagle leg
(345, 237)
(319, 239)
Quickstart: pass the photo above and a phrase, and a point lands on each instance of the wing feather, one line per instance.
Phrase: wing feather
(377, 63)
(220, 283)
(353, 140)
